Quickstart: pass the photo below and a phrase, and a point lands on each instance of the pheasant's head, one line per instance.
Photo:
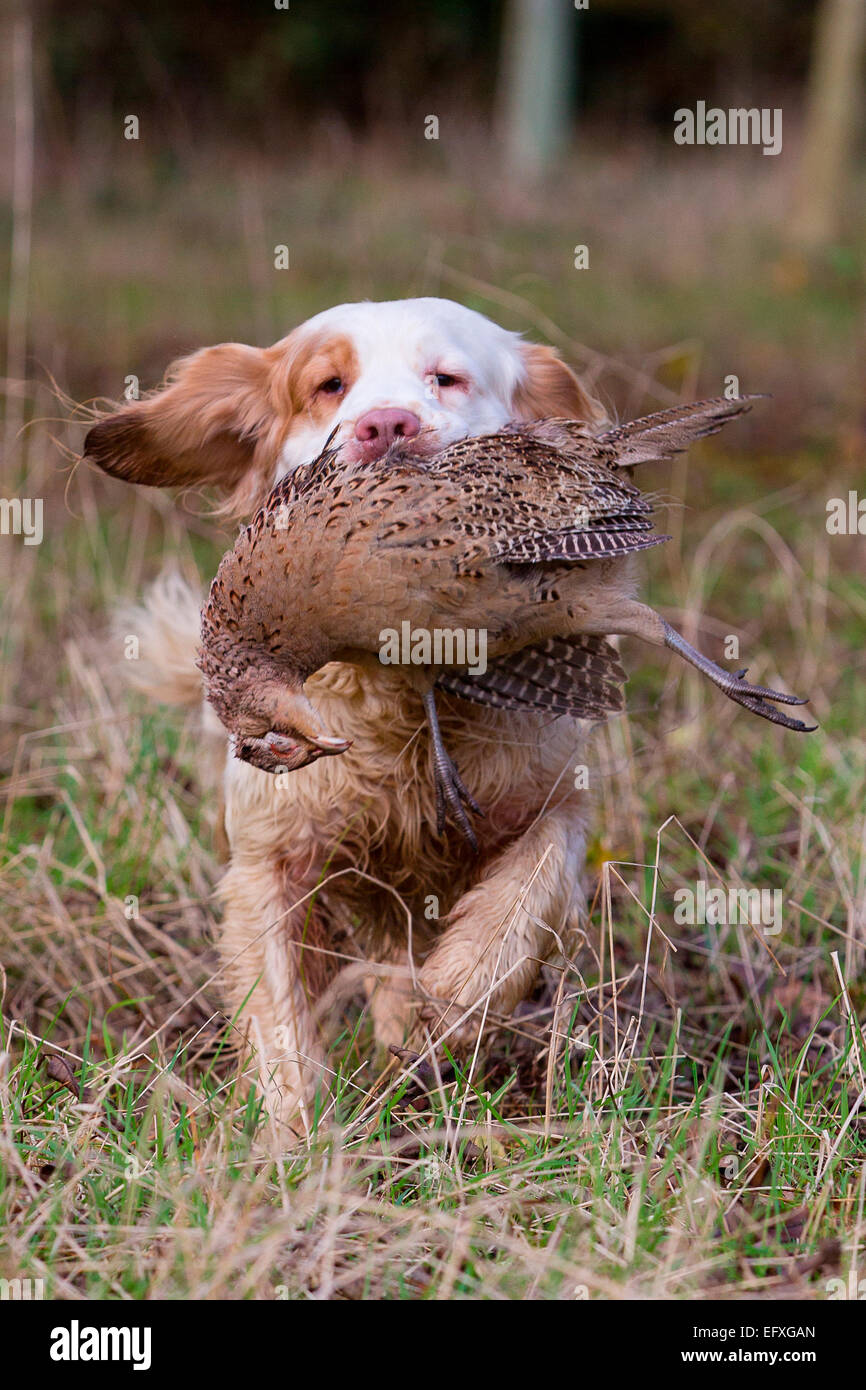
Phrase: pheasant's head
(272, 723)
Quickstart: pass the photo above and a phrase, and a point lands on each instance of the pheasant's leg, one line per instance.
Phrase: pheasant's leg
(633, 619)
(449, 786)
(753, 697)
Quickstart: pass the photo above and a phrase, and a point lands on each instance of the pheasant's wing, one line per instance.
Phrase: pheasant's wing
(580, 676)
(554, 491)
(575, 514)
(594, 544)
(525, 500)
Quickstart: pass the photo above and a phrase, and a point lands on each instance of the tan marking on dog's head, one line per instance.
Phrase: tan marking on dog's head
(223, 415)
(313, 373)
(550, 388)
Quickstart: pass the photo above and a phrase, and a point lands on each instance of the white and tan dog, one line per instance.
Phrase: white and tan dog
(343, 856)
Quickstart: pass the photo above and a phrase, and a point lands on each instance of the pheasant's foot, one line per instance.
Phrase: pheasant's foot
(451, 794)
(732, 684)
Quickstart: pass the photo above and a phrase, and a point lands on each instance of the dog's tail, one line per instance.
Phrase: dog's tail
(160, 638)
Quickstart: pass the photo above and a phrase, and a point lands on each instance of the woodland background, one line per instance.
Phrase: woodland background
(687, 1123)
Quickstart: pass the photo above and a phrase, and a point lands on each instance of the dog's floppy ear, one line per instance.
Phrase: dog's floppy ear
(549, 388)
(204, 425)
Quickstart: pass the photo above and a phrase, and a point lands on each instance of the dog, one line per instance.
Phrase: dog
(341, 860)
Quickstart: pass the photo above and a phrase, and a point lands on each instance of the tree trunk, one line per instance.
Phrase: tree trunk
(536, 83)
(831, 121)
(20, 33)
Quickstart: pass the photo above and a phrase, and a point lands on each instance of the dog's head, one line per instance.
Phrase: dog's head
(428, 371)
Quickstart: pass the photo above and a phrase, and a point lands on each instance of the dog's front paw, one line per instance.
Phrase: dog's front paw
(453, 1018)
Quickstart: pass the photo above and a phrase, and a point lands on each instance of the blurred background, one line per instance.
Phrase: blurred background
(308, 126)
(444, 149)
(175, 175)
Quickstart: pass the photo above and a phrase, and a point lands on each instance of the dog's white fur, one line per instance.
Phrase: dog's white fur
(342, 857)
(400, 348)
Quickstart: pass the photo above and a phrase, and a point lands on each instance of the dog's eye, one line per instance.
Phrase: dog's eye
(444, 379)
(332, 386)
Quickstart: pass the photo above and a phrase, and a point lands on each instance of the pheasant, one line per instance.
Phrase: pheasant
(525, 535)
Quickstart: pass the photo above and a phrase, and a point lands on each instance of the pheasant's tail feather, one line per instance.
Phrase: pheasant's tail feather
(660, 436)
(580, 676)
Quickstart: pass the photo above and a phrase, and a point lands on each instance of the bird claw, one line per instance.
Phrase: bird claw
(452, 795)
(732, 684)
(755, 698)
(450, 791)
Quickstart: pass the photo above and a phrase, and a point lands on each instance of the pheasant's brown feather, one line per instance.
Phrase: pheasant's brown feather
(580, 676)
(524, 534)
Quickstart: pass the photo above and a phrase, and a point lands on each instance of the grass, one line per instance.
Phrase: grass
(679, 1115)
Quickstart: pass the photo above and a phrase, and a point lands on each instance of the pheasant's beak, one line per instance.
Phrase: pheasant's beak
(332, 745)
(286, 749)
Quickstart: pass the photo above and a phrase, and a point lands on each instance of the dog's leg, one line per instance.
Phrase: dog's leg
(391, 998)
(274, 974)
(502, 930)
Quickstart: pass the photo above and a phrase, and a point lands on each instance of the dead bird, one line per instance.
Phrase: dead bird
(526, 535)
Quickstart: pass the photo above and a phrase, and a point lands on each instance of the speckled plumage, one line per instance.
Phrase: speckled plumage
(404, 537)
(526, 535)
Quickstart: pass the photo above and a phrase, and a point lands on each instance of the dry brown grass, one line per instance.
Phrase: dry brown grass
(658, 1122)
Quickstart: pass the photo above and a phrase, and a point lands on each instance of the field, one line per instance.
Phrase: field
(680, 1115)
